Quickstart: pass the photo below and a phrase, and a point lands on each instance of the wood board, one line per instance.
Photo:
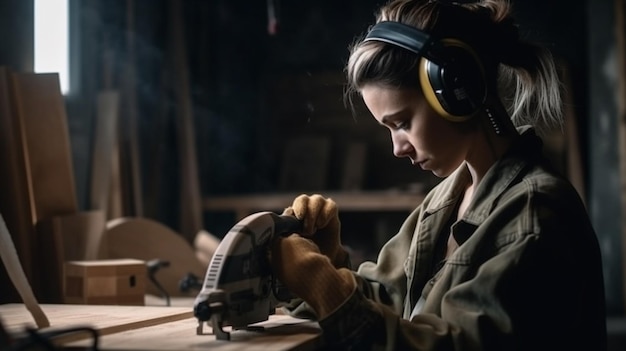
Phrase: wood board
(105, 140)
(190, 192)
(14, 186)
(105, 319)
(130, 159)
(41, 110)
(40, 161)
(13, 267)
(280, 333)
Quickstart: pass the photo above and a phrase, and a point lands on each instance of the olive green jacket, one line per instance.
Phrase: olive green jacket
(527, 274)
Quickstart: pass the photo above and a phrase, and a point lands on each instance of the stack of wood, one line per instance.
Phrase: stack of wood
(39, 203)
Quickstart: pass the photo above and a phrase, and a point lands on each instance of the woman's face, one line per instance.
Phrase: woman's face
(417, 131)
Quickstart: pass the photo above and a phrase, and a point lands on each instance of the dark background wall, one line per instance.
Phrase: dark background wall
(602, 125)
(253, 91)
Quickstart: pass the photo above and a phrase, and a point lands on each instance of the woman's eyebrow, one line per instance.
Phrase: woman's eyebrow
(385, 119)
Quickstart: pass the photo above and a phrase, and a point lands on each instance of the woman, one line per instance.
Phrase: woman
(501, 254)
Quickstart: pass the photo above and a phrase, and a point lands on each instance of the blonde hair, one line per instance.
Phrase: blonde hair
(523, 74)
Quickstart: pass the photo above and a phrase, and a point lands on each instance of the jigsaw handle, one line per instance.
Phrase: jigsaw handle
(286, 225)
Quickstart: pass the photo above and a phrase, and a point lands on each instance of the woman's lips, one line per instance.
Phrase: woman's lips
(420, 163)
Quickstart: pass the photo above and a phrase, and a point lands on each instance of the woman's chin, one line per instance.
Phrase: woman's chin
(441, 173)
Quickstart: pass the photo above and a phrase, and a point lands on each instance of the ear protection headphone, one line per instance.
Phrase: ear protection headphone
(450, 72)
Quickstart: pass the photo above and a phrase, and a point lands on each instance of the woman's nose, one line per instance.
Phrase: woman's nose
(401, 146)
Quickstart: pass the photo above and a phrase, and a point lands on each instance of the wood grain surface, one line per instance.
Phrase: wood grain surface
(104, 146)
(279, 333)
(161, 328)
(15, 203)
(41, 109)
(105, 319)
(190, 192)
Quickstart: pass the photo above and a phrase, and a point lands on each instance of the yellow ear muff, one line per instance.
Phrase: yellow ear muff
(456, 87)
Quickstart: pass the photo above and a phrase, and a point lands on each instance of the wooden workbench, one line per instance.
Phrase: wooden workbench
(359, 201)
(280, 332)
(160, 328)
(106, 319)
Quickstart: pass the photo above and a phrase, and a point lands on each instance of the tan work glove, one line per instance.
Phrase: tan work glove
(299, 265)
(321, 224)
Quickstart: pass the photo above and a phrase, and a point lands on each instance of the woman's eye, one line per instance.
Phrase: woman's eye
(403, 125)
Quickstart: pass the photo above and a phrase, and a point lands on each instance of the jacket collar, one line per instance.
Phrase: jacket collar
(524, 151)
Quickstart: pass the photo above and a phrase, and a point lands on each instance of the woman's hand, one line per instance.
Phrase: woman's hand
(297, 262)
(321, 224)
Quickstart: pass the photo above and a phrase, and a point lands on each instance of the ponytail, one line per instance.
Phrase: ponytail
(530, 88)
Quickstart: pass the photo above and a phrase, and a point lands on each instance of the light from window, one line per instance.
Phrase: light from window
(51, 39)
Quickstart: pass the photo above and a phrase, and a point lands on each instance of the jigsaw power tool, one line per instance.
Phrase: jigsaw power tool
(239, 288)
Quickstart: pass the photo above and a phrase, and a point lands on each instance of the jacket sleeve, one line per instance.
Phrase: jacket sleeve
(386, 281)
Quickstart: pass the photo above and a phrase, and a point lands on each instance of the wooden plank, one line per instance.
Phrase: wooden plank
(41, 109)
(157, 151)
(280, 333)
(13, 267)
(115, 208)
(106, 319)
(190, 193)
(108, 110)
(129, 148)
(153, 300)
(107, 116)
(14, 186)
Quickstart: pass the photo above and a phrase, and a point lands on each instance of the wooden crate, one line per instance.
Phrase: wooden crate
(105, 282)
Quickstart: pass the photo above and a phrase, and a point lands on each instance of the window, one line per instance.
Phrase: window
(52, 39)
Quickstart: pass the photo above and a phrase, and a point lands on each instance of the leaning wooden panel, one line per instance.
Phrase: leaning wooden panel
(190, 193)
(14, 187)
(41, 110)
(105, 140)
(18, 279)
